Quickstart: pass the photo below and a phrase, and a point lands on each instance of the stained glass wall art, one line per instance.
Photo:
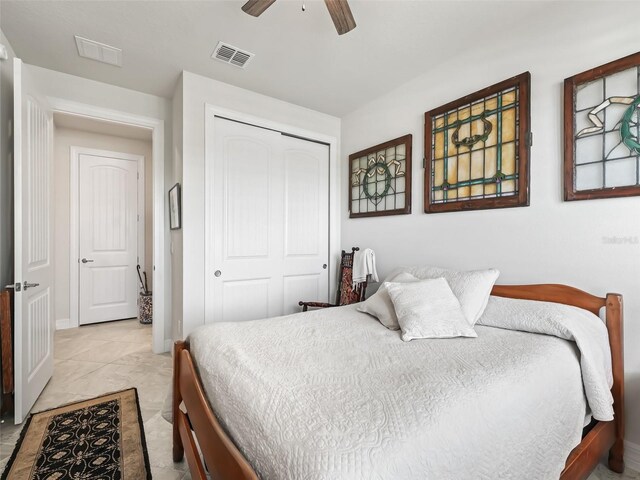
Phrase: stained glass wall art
(602, 131)
(477, 150)
(380, 179)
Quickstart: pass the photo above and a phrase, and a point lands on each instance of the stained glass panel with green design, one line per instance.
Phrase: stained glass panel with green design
(380, 179)
(602, 131)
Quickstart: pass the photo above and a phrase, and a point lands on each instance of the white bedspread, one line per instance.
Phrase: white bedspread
(332, 394)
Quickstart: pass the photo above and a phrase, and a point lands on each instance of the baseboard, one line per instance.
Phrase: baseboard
(632, 455)
(63, 323)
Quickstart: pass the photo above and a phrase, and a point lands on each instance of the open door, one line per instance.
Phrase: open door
(33, 240)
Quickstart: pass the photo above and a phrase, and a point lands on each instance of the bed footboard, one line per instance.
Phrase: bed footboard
(217, 453)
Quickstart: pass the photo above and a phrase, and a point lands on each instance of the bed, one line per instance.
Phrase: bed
(347, 419)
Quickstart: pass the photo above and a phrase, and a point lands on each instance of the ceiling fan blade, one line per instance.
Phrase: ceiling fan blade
(341, 15)
(257, 7)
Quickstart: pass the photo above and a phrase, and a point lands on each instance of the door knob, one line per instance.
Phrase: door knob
(26, 285)
(86, 260)
(324, 265)
(217, 273)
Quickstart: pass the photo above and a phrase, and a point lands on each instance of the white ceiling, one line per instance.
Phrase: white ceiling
(88, 124)
(299, 56)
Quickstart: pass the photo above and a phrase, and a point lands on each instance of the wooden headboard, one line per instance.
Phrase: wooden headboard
(552, 293)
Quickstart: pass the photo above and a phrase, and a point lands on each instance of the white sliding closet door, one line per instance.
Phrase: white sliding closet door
(306, 222)
(267, 222)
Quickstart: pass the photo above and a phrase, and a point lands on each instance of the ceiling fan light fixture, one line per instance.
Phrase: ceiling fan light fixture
(338, 9)
(341, 15)
(256, 8)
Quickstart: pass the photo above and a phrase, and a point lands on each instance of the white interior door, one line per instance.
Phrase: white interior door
(267, 222)
(306, 222)
(33, 241)
(108, 237)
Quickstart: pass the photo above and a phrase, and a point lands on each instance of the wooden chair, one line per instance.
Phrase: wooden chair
(346, 294)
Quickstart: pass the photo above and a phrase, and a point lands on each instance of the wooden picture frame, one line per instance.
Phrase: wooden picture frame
(596, 141)
(389, 165)
(489, 166)
(175, 207)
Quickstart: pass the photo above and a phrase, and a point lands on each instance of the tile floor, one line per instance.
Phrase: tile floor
(97, 359)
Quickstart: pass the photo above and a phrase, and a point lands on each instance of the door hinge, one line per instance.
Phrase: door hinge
(530, 139)
(138, 217)
(138, 175)
(424, 162)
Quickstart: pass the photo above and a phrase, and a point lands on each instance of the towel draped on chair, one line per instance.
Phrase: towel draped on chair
(364, 266)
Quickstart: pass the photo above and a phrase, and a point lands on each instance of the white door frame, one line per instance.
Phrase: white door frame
(212, 111)
(74, 220)
(156, 125)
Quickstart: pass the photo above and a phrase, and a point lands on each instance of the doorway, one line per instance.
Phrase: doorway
(105, 229)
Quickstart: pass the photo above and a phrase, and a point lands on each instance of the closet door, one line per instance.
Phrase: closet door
(306, 222)
(266, 244)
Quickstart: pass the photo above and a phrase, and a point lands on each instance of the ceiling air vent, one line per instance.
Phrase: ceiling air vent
(229, 54)
(99, 51)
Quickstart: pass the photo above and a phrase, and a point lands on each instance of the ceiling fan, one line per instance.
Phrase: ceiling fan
(338, 9)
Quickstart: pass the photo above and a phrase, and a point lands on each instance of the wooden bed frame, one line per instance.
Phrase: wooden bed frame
(226, 462)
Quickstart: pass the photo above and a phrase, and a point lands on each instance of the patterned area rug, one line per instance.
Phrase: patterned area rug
(97, 439)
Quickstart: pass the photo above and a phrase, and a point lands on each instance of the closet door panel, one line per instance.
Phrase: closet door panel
(303, 221)
(244, 263)
(247, 161)
(306, 222)
(245, 299)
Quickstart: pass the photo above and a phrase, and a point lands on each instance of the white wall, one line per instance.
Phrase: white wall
(198, 91)
(65, 138)
(76, 89)
(551, 241)
(176, 235)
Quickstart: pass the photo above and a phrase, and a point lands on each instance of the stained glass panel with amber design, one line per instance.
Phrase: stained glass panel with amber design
(477, 150)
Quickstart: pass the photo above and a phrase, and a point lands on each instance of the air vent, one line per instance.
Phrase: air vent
(99, 51)
(232, 55)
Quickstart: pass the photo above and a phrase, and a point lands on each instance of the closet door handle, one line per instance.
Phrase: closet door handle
(86, 260)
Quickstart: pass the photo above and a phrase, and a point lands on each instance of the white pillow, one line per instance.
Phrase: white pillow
(472, 288)
(379, 304)
(428, 309)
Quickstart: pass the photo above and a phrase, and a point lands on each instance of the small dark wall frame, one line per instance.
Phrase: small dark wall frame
(175, 207)
(466, 136)
(380, 179)
(606, 123)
